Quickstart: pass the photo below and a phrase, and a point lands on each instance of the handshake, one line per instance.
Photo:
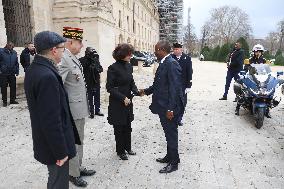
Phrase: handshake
(127, 101)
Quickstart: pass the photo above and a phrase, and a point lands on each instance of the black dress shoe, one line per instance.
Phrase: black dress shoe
(5, 104)
(78, 181)
(223, 98)
(99, 114)
(169, 168)
(123, 156)
(163, 160)
(130, 152)
(86, 172)
(91, 116)
(14, 102)
(268, 115)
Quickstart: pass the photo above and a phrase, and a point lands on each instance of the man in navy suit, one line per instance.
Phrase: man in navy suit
(167, 102)
(186, 72)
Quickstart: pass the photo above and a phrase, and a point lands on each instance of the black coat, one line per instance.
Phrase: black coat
(53, 129)
(255, 60)
(237, 60)
(186, 70)
(91, 69)
(25, 58)
(9, 64)
(120, 84)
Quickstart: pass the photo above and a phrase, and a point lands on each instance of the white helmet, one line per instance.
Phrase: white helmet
(258, 47)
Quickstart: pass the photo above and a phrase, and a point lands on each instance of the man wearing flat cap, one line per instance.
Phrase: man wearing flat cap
(71, 72)
(186, 66)
(53, 129)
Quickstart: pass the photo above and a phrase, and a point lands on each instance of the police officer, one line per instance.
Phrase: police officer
(186, 74)
(257, 55)
(235, 65)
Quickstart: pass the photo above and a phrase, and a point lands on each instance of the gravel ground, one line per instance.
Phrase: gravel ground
(217, 148)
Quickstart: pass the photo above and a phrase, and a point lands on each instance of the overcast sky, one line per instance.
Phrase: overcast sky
(263, 14)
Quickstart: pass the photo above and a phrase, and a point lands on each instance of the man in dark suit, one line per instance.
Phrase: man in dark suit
(53, 129)
(27, 55)
(9, 69)
(235, 65)
(186, 72)
(167, 102)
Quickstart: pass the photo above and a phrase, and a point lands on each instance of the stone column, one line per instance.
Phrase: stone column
(3, 36)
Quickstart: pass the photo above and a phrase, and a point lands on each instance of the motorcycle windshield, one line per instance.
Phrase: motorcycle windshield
(259, 69)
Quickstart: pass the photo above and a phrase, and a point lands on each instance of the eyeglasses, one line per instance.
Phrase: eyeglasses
(63, 47)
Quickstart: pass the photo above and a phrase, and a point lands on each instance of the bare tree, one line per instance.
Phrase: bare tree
(206, 34)
(271, 41)
(190, 38)
(227, 24)
(281, 29)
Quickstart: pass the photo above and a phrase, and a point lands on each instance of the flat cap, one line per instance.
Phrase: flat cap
(46, 40)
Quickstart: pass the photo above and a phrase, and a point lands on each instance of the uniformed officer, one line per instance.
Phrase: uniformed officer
(71, 72)
(257, 57)
(186, 74)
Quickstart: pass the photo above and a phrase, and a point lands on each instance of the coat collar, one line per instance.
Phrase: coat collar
(45, 62)
(163, 60)
(73, 57)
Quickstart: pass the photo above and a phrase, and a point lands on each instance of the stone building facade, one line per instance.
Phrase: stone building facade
(105, 22)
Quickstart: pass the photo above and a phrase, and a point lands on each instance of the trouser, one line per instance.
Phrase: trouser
(122, 135)
(76, 162)
(181, 115)
(94, 99)
(6, 80)
(170, 128)
(58, 177)
(230, 75)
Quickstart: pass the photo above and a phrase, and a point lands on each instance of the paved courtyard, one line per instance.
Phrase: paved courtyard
(217, 148)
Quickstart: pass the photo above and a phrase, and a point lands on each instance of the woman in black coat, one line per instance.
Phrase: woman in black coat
(121, 86)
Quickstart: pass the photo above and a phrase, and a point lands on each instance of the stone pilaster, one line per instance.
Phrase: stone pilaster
(92, 16)
(3, 36)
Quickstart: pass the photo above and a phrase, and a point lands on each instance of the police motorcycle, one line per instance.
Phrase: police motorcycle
(255, 91)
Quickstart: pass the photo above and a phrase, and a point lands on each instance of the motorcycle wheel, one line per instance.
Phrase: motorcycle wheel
(259, 117)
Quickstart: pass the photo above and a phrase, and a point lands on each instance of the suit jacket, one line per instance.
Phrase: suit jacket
(120, 84)
(9, 64)
(71, 71)
(53, 128)
(186, 70)
(167, 89)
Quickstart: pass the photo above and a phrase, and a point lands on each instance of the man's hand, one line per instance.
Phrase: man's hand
(141, 92)
(170, 115)
(62, 161)
(127, 101)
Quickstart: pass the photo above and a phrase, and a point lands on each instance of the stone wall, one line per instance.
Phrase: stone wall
(97, 23)
(3, 37)
(41, 15)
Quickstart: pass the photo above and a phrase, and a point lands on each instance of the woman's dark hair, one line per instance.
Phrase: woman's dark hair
(122, 50)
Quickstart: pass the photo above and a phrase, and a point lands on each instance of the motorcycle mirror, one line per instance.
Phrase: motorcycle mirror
(279, 73)
(242, 73)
